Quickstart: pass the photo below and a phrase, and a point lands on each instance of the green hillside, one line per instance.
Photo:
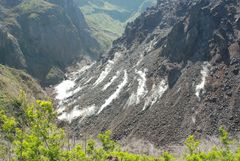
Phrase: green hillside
(107, 18)
(34, 34)
(12, 81)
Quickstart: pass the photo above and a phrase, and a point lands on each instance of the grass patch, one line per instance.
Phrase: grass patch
(107, 19)
(13, 81)
(34, 6)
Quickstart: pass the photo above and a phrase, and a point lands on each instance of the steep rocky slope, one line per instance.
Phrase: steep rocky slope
(108, 18)
(43, 37)
(174, 72)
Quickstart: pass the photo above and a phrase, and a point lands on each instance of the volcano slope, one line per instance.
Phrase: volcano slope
(174, 72)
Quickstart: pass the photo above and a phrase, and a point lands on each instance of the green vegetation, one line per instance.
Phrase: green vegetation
(34, 6)
(222, 153)
(104, 28)
(107, 19)
(34, 27)
(31, 134)
(33, 16)
(12, 81)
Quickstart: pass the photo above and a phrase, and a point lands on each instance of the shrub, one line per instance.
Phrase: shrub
(31, 134)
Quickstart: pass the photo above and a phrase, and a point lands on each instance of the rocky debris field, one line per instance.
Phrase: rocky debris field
(174, 72)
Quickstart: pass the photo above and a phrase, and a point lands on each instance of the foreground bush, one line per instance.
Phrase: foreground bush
(31, 134)
(222, 153)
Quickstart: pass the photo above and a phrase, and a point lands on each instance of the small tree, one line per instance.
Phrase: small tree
(226, 153)
(192, 144)
(224, 137)
(42, 139)
(167, 157)
(32, 131)
(7, 125)
(108, 144)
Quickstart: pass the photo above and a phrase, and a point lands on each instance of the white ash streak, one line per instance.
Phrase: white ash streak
(116, 93)
(200, 88)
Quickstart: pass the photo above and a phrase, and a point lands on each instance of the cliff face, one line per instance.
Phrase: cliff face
(174, 72)
(11, 53)
(44, 37)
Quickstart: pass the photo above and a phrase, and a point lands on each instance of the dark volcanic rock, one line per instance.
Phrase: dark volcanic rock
(174, 72)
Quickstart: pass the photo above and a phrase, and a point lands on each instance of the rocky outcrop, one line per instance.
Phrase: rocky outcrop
(45, 35)
(205, 30)
(88, 43)
(11, 53)
(175, 72)
(163, 16)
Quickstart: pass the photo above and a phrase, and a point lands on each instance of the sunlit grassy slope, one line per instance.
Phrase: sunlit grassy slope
(107, 18)
(12, 81)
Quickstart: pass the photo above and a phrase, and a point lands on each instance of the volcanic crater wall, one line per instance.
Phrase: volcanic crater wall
(164, 80)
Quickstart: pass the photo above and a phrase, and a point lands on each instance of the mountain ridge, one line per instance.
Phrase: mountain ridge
(107, 19)
(165, 78)
(44, 37)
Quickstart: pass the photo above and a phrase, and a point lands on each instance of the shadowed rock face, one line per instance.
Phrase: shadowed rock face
(44, 35)
(10, 3)
(174, 72)
(11, 53)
